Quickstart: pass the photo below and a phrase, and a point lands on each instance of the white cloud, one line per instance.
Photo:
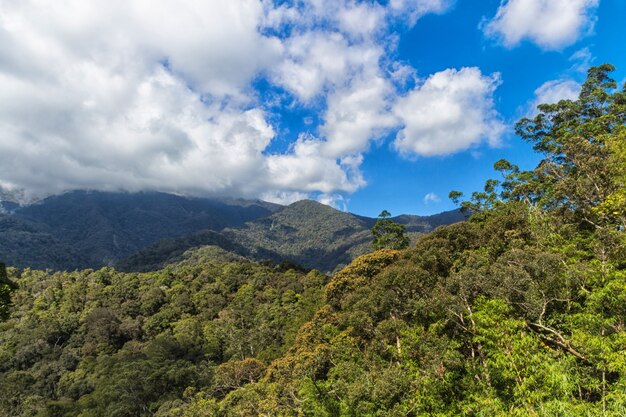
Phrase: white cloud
(362, 19)
(581, 60)
(336, 201)
(308, 169)
(52, 35)
(451, 111)
(319, 60)
(87, 104)
(431, 198)
(401, 73)
(164, 99)
(356, 115)
(552, 92)
(551, 24)
(412, 10)
(158, 136)
(283, 197)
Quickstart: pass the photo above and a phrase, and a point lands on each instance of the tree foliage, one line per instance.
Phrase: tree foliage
(106, 343)
(6, 288)
(388, 234)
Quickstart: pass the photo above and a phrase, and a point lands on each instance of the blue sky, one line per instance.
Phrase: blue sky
(454, 39)
(364, 105)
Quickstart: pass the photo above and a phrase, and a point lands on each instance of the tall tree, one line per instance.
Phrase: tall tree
(6, 287)
(388, 234)
(581, 176)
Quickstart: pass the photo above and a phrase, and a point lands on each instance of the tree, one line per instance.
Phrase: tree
(581, 175)
(575, 173)
(6, 288)
(388, 234)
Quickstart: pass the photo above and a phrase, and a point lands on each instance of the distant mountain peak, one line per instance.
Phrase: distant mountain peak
(307, 203)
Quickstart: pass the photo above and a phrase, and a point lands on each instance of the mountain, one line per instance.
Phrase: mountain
(145, 231)
(306, 233)
(171, 250)
(8, 206)
(427, 223)
(99, 228)
(26, 244)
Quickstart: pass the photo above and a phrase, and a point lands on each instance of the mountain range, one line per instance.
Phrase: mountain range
(147, 230)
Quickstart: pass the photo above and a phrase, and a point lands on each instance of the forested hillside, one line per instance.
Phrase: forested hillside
(519, 311)
(93, 229)
(146, 231)
(306, 233)
(105, 343)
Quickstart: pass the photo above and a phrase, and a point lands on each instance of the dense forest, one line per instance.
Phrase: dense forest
(518, 311)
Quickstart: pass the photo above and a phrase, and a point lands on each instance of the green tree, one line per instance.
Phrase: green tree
(575, 173)
(388, 234)
(581, 176)
(6, 288)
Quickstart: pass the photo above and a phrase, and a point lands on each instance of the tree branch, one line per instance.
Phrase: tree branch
(559, 341)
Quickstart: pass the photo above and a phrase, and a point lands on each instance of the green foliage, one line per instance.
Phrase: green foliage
(388, 234)
(581, 177)
(6, 288)
(106, 343)
(92, 229)
(517, 312)
(305, 233)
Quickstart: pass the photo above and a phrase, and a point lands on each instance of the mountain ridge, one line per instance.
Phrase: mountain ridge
(105, 226)
(144, 231)
(306, 233)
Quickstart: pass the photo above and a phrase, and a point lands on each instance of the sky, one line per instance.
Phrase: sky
(362, 105)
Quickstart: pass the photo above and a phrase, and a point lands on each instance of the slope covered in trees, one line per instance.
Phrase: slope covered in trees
(146, 231)
(104, 343)
(307, 233)
(93, 229)
(519, 311)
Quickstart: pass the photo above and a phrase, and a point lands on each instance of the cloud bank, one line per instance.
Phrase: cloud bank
(155, 95)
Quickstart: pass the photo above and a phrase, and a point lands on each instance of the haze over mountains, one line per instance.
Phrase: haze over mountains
(144, 231)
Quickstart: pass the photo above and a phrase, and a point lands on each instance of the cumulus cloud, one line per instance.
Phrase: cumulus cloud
(165, 97)
(307, 169)
(283, 197)
(336, 201)
(361, 20)
(551, 24)
(356, 115)
(451, 111)
(554, 91)
(319, 60)
(87, 104)
(159, 136)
